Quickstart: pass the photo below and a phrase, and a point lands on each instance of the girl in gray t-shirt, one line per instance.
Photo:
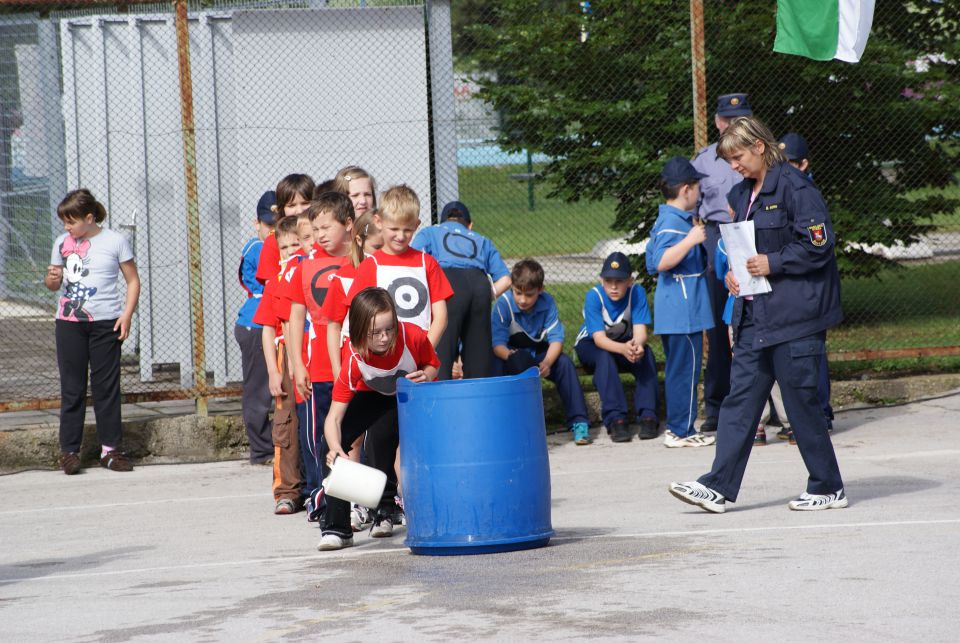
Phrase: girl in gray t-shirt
(92, 320)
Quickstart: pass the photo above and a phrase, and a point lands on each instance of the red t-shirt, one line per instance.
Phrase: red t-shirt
(308, 287)
(437, 284)
(266, 314)
(269, 264)
(350, 379)
(337, 293)
(271, 305)
(282, 304)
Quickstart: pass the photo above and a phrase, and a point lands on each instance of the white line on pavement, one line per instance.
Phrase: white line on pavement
(357, 553)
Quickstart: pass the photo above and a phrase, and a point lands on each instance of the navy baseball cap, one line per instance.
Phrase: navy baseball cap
(733, 105)
(265, 208)
(679, 170)
(616, 266)
(455, 209)
(794, 146)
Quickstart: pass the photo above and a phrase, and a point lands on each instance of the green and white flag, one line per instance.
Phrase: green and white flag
(824, 29)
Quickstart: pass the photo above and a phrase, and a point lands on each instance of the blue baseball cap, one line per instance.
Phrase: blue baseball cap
(679, 170)
(733, 105)
(265, 208)
(455, 209)
(794, 146)
(616, 266)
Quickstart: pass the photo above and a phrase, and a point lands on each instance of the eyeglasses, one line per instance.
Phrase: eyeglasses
(383, 332)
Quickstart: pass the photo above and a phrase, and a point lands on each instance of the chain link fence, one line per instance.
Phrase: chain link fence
(550, 120)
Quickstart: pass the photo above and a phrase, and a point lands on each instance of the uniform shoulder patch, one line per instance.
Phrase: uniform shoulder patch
(818, 234)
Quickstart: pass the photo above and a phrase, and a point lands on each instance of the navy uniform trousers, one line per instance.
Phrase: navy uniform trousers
(716, 375)
(606, 368)
(563, 374)
(796, 366)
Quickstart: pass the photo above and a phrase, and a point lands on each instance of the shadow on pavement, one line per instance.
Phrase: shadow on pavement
(65, 565)
(863, 490)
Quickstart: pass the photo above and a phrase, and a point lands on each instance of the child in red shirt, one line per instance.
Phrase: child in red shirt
(286, 459)
(414, 279)
(366, 241)
(293, 196)
(331, 223)
(382, 350)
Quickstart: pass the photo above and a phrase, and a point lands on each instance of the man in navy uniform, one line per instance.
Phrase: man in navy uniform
(712, 210)
(779, 335)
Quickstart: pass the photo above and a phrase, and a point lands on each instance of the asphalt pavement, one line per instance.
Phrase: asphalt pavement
(193, 552)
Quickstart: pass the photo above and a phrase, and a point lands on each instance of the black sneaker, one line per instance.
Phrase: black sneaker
(649, 428)
(784, 433)
(620, 431)
(709, 425)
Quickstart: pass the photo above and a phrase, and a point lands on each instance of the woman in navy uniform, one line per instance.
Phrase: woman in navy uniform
(778, 336)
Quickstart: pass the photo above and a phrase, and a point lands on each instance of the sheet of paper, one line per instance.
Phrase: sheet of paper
(740, 244)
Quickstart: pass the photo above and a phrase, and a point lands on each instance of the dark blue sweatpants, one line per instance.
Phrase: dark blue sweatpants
(606, 368)
(681, 375)
(564, 374)
(311, 415)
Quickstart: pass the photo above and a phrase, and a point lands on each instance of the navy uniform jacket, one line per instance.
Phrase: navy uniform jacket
(793, 229)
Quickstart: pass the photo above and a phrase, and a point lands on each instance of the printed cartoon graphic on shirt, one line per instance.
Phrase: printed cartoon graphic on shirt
(74, 253)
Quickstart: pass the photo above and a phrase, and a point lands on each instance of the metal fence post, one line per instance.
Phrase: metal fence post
(699, 74)
(193, 208)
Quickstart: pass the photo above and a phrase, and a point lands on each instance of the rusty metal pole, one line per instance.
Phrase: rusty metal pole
(699, 74)
(193, 208)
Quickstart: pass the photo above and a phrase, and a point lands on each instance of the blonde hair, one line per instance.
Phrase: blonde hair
(362, 228)
(743, 133)
(400, 204)
(341, 182)
(366, 305)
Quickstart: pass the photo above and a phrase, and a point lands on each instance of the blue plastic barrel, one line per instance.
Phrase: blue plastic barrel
(474, 466)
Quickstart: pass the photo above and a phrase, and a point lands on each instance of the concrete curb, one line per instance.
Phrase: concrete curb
(186, 438)
(190, 438)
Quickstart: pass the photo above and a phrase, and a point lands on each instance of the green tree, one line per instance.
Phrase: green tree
(605, 91)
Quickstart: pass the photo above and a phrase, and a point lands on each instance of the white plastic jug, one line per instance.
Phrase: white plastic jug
(355, 482)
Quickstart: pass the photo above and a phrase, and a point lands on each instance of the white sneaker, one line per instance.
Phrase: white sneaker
(359, 518)
(671, 441)
(382, 526)
(814, 502)
(331, 542)
(697, 494)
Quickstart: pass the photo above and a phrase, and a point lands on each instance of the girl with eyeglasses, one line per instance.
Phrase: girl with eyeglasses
(381, 350)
